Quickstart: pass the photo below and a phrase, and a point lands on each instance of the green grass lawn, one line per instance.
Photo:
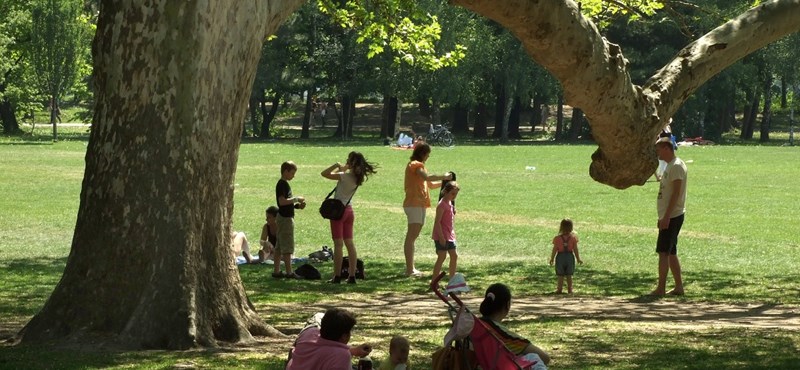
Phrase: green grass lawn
(739, 245)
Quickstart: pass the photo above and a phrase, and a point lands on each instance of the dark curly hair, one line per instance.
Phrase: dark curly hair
(360, 167)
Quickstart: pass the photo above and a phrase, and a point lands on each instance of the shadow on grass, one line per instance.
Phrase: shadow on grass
(29, 282)
(44, 356)
(712, 349)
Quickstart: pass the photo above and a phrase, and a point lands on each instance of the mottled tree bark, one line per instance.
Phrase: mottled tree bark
(150, 264)
(625, 118)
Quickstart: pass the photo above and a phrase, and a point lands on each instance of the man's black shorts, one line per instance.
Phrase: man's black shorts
(668, 238)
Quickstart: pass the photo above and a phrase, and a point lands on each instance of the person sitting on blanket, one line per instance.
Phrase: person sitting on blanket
(494, 308)
(240, 248)
(322, 345)
(269, 234)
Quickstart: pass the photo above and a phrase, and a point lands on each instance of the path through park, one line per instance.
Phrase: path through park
(644, 313)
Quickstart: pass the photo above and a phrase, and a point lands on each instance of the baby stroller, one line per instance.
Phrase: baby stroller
(490, 352)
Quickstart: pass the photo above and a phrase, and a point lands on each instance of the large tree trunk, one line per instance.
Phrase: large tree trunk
(728, 118)
(345, 129)
(268, 116)
(8, 117)
(389, 116)
(499, 110)
(766, 114)
(751, 112)
(150, 264)
(508, 106)
(538, 116)
(481, 116)
(560, 118)
(252, 110)
(576, 124)
(350, 117)
(460, 119)
(626, 118)
(308, 112)
(784, 91)
(53, 110)
(424, 105)
(514, 118)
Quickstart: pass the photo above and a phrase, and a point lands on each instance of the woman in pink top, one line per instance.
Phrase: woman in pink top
(444, 232)
(417, 200)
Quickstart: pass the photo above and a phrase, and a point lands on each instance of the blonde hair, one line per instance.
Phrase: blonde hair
(398, 342)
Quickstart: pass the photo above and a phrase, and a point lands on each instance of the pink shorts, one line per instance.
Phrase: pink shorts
(343, 228)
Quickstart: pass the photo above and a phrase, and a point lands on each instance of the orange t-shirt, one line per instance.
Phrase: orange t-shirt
(416, 187)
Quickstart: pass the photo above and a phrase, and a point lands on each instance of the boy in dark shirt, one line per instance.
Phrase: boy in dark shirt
(284, 245)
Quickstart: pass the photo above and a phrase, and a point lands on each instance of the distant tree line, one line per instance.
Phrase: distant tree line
(490, 85)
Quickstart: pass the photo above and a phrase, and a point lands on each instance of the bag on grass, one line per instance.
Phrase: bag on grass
(321, 255)
(345, 273)
(308, 272)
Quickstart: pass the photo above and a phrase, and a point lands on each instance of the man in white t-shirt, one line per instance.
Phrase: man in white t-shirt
(671, 208)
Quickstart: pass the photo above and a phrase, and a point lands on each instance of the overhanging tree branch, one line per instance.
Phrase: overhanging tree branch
(718, 49)
(593, 72)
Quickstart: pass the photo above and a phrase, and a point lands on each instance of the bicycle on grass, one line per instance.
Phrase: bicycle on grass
(440, 135)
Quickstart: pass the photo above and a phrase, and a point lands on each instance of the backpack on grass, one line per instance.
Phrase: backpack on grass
(308, 271)
(344, 273)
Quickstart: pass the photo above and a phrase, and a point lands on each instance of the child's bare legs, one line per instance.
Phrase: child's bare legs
(276, 267)
(569, 284)
(408, 247)
(437, 267)
(287, 262)
(337, 258)
(352, 257)
(453, 262)
(560, 284)
(262, 256)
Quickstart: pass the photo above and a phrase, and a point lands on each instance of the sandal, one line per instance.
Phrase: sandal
(278, 275)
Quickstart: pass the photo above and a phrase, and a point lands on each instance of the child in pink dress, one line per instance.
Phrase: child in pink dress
(444, 233)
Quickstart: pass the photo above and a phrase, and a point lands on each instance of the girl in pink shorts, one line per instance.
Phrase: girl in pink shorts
(349, 177)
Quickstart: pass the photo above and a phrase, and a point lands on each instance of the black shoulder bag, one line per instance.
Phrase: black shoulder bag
(332, 208)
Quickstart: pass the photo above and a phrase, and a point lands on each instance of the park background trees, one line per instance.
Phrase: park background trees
(314, 52)
(172, 80)
(45, 49)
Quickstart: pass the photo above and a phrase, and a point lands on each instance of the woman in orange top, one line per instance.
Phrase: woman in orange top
(417, 200)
